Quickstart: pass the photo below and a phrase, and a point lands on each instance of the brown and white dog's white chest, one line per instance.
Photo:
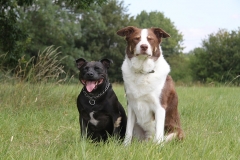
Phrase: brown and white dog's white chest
(139, 84)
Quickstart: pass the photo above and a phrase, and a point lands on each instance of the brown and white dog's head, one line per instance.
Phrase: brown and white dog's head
(145, 42)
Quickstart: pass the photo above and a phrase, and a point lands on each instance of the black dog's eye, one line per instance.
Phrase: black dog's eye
(97, 68)
(85, 68)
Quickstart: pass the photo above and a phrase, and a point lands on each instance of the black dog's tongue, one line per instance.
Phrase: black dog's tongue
(90, 85)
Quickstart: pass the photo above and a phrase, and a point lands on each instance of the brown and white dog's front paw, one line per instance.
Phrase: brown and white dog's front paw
(127, 140)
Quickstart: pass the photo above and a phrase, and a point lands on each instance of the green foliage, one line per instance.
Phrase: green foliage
(10, 32)
(48, 24)
(99, 39)
(180, 70)
(82, 4)
(29, 26)
(80, 28)
(218, 58)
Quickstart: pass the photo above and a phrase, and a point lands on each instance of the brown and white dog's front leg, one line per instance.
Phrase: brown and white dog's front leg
(130, 125)
(160, 120)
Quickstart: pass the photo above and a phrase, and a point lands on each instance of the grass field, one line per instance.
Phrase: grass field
(41, 122)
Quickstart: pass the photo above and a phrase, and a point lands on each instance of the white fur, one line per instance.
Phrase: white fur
(170, 137)
(93, 120)
(143, 90)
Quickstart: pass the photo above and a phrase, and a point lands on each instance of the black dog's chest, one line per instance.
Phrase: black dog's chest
(96, 120)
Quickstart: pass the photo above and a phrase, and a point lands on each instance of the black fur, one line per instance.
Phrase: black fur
(106, 110)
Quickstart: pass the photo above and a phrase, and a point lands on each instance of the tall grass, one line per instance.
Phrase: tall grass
(40, 121)
(44, 67)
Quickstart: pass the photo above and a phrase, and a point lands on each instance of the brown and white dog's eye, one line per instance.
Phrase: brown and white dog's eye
(136, 38)
(149, 38)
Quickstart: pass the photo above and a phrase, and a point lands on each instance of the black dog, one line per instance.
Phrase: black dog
(100, 113)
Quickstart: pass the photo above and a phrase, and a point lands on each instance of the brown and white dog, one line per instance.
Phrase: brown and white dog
(151, 96)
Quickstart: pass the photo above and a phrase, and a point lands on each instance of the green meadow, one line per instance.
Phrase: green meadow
(40, 121)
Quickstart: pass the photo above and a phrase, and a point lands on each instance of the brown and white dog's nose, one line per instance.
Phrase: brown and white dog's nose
(144, 47)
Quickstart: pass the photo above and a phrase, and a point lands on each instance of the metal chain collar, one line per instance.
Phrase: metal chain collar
(93, 98)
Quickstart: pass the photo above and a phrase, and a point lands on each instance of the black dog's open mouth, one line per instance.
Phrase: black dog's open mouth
(91, 85)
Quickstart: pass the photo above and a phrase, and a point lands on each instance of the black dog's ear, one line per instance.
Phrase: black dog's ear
(80, 62)
(106, 62)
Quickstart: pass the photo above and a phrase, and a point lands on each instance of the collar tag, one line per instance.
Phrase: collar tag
(92, 102)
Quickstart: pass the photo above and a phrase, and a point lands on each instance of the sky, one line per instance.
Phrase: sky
(195, 19)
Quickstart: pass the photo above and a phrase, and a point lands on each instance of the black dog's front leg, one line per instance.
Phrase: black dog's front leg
(117, 124)
(83, 127)
(119, 121)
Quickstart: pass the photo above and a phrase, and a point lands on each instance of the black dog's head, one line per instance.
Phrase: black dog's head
(93, 74)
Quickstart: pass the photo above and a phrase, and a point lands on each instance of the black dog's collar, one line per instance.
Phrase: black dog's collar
(93, 98)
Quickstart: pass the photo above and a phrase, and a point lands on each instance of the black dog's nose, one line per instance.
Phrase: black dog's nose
(90, 74)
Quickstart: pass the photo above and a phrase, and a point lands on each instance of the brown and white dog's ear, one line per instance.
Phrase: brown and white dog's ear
(106, 62)
(127, 31)
(160, 33)
(80, 62)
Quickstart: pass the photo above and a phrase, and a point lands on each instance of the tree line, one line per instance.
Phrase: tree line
(88, 29)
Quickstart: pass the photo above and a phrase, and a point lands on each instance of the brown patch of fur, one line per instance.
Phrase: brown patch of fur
(133, 35)
(169, 101)
(117, 122)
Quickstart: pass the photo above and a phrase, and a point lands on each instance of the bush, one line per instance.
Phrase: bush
(46, 66)
(218, 58)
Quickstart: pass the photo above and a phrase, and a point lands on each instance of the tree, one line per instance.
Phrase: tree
(218, 58)
(80, 30)
(99, 39)
(10, 32)
(14, 39)
(180, 70)
(79, 4)
(48, 24)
